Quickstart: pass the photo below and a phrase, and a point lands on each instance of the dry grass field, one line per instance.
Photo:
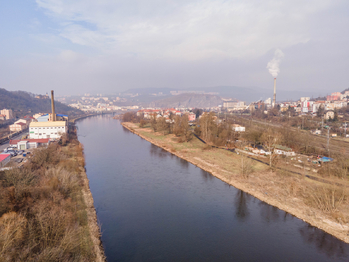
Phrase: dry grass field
(43, 211)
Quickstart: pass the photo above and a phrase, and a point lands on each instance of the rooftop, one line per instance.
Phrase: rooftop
(3, 156)
(16, 141)
(47, 124)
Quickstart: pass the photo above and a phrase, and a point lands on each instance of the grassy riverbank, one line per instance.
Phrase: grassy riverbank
(46, 208)
(321, 205)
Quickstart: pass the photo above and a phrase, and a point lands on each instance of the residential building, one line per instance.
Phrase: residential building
(283, 150)
(304, 99)
(52, 130)
(17, 127)
(2, 117)
(329, 114)
(316, 132)
(191, 117)
(334, 96)
(8, 113)
(238, 128)
(4, 159)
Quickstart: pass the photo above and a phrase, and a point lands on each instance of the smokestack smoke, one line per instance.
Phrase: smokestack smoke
(273, 65)
(53, 106)
(274, 99)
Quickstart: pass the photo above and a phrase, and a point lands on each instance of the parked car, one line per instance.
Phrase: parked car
(13, 153)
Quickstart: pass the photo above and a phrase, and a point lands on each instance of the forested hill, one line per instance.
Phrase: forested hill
(23, 103)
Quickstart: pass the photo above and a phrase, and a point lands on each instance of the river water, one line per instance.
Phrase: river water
(154, 206)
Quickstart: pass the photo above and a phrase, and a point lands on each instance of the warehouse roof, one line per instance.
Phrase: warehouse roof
(3, 156)
(43, 140)
(47, 124)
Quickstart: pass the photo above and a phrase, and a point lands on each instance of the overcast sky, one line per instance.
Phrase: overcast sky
(104, 46)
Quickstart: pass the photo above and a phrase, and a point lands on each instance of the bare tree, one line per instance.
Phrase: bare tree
(270, 139)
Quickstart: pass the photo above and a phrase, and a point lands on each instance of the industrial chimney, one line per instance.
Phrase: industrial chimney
(53, 107)
(274, 99)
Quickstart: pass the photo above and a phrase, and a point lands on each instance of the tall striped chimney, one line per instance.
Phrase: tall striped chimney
(53, 106)
(274, 99)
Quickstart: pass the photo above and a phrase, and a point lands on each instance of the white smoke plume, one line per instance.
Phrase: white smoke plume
(273, 65)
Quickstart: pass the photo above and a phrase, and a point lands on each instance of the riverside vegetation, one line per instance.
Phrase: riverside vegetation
(320, 198)
(46, 210)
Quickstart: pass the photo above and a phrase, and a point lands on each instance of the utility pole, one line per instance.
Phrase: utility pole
(328, 139)
(345, 129)
(322, 125)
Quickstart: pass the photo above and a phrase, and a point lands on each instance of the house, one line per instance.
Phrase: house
(329, 114)
(24, 121)
(2, 117)
(238, 128)
(316, 132)
(52, 130)
(17, 127)
(30, 143)
(283, 150)
(191, 117)
(4, 159)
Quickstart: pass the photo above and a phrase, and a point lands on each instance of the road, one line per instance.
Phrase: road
(3, 146)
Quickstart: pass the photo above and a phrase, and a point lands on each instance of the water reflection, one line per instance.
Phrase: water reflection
(157, 151)
(241, 201)
(206, 175)
(182, 162)
(269, 213)
(324, 242)
(126, 130)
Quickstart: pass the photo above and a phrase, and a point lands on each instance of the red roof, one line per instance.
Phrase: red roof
(43, 140)
(3, 157)
(20, 123)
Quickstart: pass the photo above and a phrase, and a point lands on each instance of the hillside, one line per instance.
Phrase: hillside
(188, 100)
(23, 103)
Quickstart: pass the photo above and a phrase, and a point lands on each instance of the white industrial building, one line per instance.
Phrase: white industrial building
(52, 130)
(30, 143)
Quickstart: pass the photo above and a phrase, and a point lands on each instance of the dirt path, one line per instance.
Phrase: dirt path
(284, 192)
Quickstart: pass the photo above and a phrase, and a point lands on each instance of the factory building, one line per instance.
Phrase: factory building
(51, 128)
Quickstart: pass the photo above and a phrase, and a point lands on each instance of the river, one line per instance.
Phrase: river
(154, 206)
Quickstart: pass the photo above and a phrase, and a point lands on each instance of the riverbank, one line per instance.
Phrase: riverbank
(94, 229)
(293, 194)
(46, 207)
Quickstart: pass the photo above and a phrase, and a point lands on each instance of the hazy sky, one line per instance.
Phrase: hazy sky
(77, 46)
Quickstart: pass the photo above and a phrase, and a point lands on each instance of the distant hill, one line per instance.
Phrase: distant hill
(188, 100)
(23, 103)
(248, 94)
(149, 90)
